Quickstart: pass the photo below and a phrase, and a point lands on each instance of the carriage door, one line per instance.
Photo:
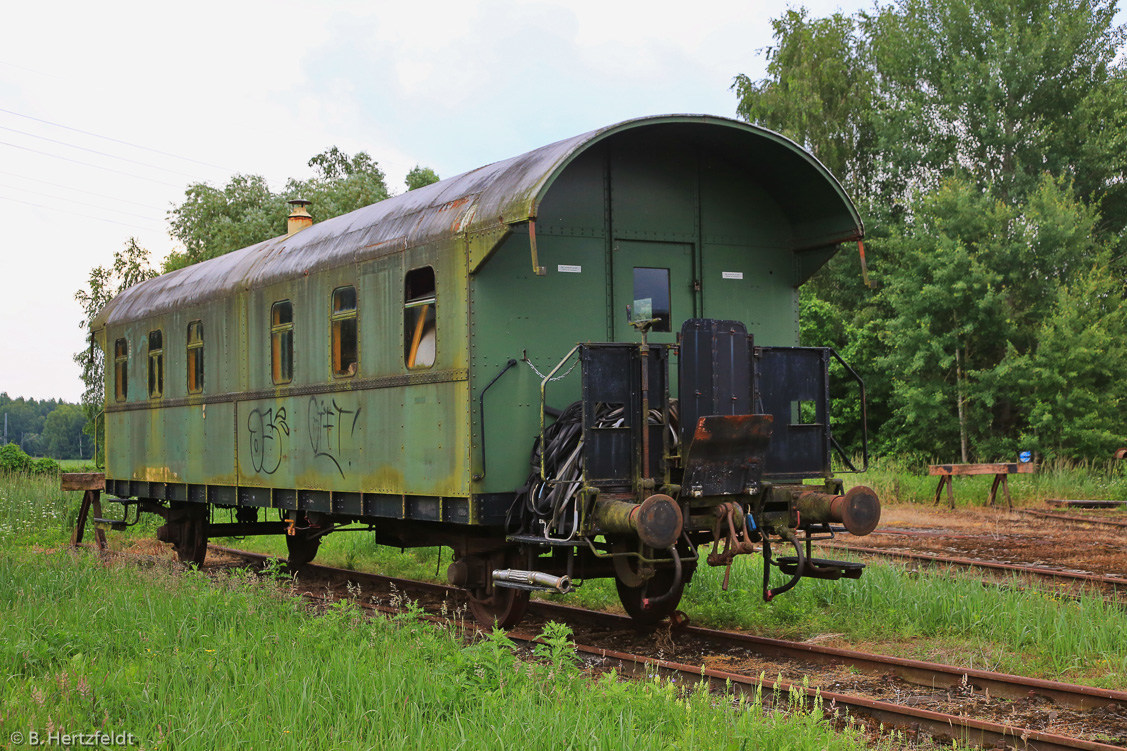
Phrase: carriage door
(656, 274)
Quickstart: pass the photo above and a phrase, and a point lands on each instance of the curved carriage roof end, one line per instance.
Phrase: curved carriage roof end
(488, 198)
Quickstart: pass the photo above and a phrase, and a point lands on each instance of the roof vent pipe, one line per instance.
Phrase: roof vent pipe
(299, 218)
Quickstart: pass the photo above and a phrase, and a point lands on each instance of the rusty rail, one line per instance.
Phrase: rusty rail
(1113, 581)
(918, 672)
(967, 730)
(1073, 518)
(1063, 503)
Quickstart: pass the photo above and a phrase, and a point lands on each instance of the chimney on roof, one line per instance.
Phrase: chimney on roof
(299, 218)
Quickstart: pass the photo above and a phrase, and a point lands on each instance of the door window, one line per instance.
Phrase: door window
(651, 290)
(660, 273)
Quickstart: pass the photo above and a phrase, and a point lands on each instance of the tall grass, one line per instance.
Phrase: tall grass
(34, 511)
(77, 465)
(182, 662)
(900, 481)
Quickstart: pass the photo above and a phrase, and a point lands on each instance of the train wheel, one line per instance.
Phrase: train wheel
(505, 607)
(302, 548)
(637, 581)
(186, 529)
(190, 543)
(633, 599)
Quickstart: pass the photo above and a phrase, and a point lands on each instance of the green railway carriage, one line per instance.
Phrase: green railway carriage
(387, 367)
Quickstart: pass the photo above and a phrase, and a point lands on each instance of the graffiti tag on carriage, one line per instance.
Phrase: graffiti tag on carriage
(267, 431)
(331, 428)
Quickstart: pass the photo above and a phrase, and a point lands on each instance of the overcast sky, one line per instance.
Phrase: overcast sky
(199, 91)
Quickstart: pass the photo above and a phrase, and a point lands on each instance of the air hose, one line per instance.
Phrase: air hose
(650, 602)
(768, 593)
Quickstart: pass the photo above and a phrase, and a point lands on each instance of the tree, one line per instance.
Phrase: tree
(343, 184)
(130, 266)
(967, 296)
(991, 87)
(334, 164)
(949, 323)
(213, 221)
(1074, 379)
(1054, 235)
(819, 91)
(25, 420)
(895, 100)
(986, 143)
(420, 176)
(62, 433)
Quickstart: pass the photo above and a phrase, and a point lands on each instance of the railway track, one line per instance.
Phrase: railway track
(1043, 572)
(974, 707)
(1075, 518)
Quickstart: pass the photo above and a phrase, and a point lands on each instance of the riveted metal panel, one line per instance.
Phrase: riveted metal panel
(786, 378)
(653, 187)
(516, 314)
(715, 372)
(755, 286)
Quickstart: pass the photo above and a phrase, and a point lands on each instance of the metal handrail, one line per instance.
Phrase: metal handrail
(864, 419)
(481, 413)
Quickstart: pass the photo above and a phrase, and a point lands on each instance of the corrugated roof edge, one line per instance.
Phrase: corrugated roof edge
(498, 194)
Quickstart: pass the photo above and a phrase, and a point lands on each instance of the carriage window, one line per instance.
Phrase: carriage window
(156, 364)
(652, 286)
(419, 333)
(121, 370)
(281, 342)
(195, 357)
(343, 317)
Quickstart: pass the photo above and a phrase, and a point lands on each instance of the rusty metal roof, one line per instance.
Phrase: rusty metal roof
(504, 193)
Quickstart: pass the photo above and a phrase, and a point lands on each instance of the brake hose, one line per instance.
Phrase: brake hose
(649, 602)
(768, 593)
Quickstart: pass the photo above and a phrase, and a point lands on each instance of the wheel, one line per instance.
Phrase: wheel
(188, 537)
(633, 599)
(302, 548)
(502, 607)
(638, 582)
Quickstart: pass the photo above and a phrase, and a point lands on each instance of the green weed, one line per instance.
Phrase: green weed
(182, 663)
